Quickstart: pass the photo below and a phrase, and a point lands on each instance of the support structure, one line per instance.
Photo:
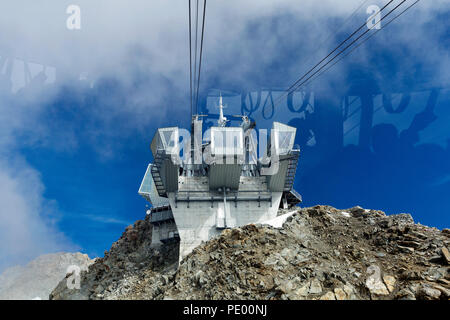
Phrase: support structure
(222, 185)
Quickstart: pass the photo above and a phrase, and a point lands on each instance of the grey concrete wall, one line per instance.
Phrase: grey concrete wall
(161, 231)
(198, 222)
(156, 238)
(276, 182)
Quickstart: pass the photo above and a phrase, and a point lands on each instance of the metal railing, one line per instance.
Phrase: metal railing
(156, 175)
(232, 196)
(291, 170)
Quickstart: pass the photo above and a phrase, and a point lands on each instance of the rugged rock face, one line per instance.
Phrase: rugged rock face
(319, 253)
(112, 276)
(38, 278)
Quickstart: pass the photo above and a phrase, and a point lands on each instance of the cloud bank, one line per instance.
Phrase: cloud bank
(135, 56)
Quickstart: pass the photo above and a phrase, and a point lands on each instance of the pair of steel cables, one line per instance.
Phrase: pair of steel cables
(330, 59)
(195, 57)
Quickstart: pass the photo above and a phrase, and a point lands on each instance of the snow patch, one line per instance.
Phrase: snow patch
(345, 214)
(278, 221)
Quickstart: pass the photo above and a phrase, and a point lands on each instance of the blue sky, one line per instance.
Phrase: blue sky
(74, 147)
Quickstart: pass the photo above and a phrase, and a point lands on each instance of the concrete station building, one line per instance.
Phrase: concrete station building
(222, 185)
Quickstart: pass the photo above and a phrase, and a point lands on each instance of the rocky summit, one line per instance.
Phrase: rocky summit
(319, 253)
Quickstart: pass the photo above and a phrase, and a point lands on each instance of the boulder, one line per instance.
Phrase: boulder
(426, 292)
(328, 296)
(445, 255)
(340, 294)
(389, 281)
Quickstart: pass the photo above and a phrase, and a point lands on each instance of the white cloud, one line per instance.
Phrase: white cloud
(119, 37)
(106, 219)
(27, 220)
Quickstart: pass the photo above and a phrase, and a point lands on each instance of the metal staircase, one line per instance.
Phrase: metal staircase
(159, 159)
(291, 169)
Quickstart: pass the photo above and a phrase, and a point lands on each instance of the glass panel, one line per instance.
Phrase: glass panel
(228, 141)
(284, 139)
(169, 138)
(146, 186)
